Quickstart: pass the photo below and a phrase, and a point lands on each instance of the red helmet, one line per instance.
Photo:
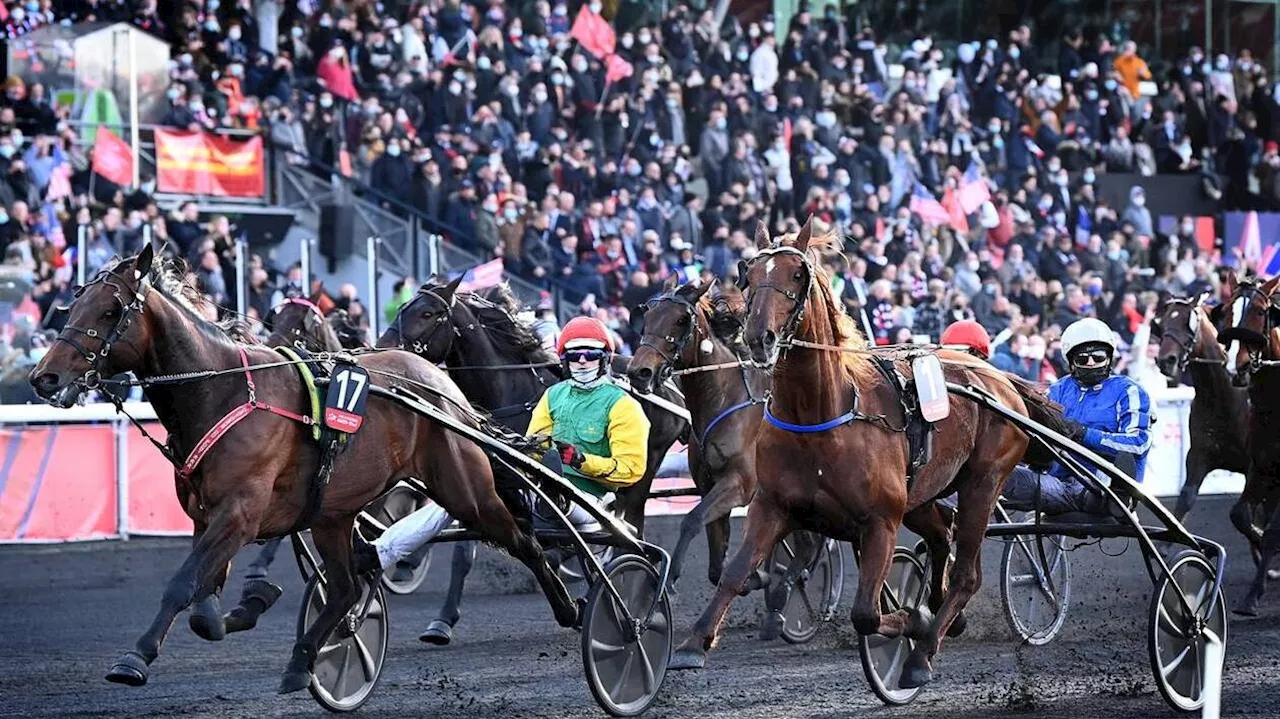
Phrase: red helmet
(584, 333)
(969, 334)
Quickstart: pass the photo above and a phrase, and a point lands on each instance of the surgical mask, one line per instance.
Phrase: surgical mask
(1113, 254)
(1139, 201)
(557, 79)
(1188, 228)
(1110, 84)
(1089, 177)
(671, 102)
(1015, 52)
(628, 41)
(148, 187)
(455, 88)
(645, 38)
(295, 32)
(393, 150)
(510, 214)
(1091, 95)
(972, 265)
(173, 94)
(199, 106)
(326, 102)
(1055, 166)
(490, 207)
(540, 96)
(721, 123)
(18, 15)
(588, 377)
(234, 33)
(484, 63)
(596, 8)
(4, 217)
(742, 55)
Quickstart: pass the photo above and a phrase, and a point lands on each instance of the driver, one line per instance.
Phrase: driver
(1109, 414)
(600, 432)
(969, 334)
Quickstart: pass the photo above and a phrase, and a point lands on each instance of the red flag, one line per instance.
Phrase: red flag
(112, 157)
(951, 203)
(482, 276)
(594, 33)
(973, 190)
(930, 210)
(617, 69)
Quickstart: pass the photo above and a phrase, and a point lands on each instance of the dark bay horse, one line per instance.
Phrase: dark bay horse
(840, 465)
(245, 459)
(1252, 320)
(1219, 411)
(502, 367)
(726, 405)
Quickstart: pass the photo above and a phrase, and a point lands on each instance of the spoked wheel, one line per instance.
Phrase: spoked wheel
(626, 658)
(905, 587)
(1176, 642)
(349, 663)
(814, 595)
(1036, 596)
(395, 505)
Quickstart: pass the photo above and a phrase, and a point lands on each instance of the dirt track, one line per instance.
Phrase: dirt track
(70, 610)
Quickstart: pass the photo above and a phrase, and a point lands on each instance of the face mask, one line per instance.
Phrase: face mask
(148, 187)
(490, 207)
(560, 11)
(510, 214)
(296, 32)
(742, 56)
(484, 63)
(234, 33)
(393, 150)
(721, 124)
(1091, 95)
(753, 32)
(198, 107)
(18, 15)
(972, 265)
(671, 102)
(628, 41)
(326, 22)
(1188, 228)
(326, 102)
(645, 38)
(1222, 63)
(1055, 166)
(1015, 52)
(4, 217)
(516, 33)
(1110, 84)
(1089, 177)
(173, 94)
(596, 8)
(1139, 201)
(540, 96)
(1062, 180)
(455, 88)
(1113, 254)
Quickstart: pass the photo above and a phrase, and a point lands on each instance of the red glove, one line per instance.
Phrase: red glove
(571, 455)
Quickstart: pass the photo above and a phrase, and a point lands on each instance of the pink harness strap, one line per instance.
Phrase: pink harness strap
(301, 301)
(232, 418)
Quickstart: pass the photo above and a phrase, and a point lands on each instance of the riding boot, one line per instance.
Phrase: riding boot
(256, 598)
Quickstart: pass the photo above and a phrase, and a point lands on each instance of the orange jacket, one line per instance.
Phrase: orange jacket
(1132, 69)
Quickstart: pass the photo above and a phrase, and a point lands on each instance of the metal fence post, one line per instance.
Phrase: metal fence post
(433, 254)
(304, 259)
(82, 254)
(242, 282)
(121, 432)
(372, 310)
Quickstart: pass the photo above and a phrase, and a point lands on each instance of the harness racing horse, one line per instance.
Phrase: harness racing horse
(502, 367)
(1252, 315)
(1219, 411)
(244, 452)
(830, 457)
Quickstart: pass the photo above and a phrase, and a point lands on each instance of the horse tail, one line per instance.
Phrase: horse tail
(1043, 410)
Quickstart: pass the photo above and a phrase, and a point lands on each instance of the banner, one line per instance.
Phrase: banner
(198, 163)
(113, 158)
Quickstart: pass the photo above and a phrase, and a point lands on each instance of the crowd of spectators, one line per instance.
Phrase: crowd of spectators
(493, 121)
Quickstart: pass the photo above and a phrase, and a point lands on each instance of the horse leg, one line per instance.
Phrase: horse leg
(1242, 513)
(878, 538)
(440, 630)
(333, 542)
(716, 504)
(198, 576)
(1268, 546)
(976, 500)
(766, 524)
(806, 546)
(1197, 468)
(206, 614)
(258, 594)
(933, 523)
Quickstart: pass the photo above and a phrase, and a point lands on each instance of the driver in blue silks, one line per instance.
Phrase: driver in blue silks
(1109, 414)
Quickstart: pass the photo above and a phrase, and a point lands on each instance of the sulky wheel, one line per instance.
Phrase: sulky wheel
(1176, 641)
(1035, 597)
(397, 504)
(625, 656)
(574, 570)
(812, 597)
(349, 663)
(905, 587)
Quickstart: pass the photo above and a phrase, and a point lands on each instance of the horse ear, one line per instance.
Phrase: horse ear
(805, 234)
(1231, 282)
(1269, 287)
(672, 283)
(448, 291)
(695, 290)
(144, 263)
(762, 235)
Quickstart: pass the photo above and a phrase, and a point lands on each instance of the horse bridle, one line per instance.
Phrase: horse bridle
(419, 347)
(1244, 335)
(798, 301)
(1185, 348)
(677, 343)
(300, 339)
(93, 376)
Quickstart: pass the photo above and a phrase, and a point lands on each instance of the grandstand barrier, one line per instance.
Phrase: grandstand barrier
(86, 473)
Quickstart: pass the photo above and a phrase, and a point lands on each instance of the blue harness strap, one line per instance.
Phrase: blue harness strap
(712, 424)
(845, 418)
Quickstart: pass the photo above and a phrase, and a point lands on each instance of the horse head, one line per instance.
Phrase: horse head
(107, 332)
(426, 324)
(1178, 325)
(1252, 313)
(299, 322)
(777, 282)
(672, 325)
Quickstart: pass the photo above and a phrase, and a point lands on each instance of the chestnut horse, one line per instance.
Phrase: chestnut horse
(831, 456)
(1219, 411)
(502, 367)
(1252, 318)
(253, 480)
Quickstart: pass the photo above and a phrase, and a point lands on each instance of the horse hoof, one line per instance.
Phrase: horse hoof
(293, 681)
(916, 672)
(687, 658)
(957, 625)
(131, 670)
(439, 633)
(206, 621)
(771, 629)
(920, 621)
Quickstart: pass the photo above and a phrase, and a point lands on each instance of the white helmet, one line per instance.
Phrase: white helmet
(1087, 331)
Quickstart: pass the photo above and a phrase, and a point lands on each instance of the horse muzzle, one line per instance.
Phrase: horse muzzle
(54, 389)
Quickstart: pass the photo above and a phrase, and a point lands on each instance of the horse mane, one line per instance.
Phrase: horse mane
(855, 363)
(496, 310)
(169, 277)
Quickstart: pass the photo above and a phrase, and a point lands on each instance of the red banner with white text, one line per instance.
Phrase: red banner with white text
(200, 163)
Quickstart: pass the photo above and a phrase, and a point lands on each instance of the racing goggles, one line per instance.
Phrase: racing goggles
(1091, 358)
(587, 355)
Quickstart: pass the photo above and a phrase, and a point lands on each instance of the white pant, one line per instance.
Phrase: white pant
(409, 534)
(675, 464)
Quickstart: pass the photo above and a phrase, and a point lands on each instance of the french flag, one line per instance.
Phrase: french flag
(931, 211)
(1269, 263)
(482, 276)
(973, 190)
(1251, 241)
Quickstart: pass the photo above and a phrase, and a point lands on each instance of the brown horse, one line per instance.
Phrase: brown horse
(253, 480)
(1252, 317)
(1219, 412)
(297, 322)
(845, 477)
